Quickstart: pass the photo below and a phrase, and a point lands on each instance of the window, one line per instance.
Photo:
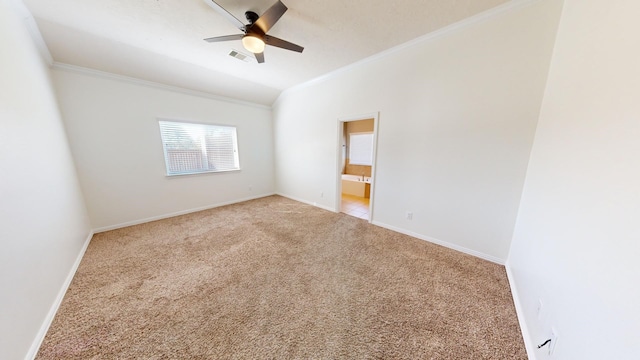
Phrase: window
(198, 148)
(361, 148)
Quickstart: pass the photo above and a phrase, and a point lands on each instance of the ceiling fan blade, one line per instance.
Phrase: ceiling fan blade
(224, 38)
(283, 44)
(259, 57)
(270, 17)
(227, 15)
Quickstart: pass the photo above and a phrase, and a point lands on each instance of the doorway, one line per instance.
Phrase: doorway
(357, 139)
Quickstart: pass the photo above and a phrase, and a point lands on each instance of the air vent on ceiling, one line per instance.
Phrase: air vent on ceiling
(240, 56)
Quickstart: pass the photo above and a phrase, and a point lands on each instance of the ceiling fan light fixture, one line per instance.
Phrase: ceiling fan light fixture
(253, 43)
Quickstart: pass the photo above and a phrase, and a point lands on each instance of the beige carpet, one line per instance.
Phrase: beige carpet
(277, 279)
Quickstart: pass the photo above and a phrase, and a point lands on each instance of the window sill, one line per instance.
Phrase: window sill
(201, 173)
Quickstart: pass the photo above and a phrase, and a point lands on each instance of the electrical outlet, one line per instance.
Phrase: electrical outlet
(322, 194)
(554, 341)
(250, 188)
(409, 215)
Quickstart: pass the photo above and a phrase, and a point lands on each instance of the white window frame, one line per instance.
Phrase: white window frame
(358, 161)
(198, 132)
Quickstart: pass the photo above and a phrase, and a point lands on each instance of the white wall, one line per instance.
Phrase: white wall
(115, 140)
(457, 120)
(577, 241)
(43, 221)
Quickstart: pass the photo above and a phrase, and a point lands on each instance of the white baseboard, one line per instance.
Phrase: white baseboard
(35, 346)
(177, 213)
(410, 233)
(442, 243)
(307, 202)
(524, 329)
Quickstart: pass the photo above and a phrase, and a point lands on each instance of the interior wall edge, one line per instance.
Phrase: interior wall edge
(46, 323)
(307, 202)
(446, 244)
(177, 213)
(522, 320)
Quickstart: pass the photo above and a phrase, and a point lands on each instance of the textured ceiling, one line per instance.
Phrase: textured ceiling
(161, 40)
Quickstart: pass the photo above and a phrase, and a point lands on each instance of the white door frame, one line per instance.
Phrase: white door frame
(375, 116)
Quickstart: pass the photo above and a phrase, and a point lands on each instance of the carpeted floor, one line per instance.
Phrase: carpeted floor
(277, 279)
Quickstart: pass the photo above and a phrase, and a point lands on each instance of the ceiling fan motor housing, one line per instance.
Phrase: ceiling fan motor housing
(251, 16)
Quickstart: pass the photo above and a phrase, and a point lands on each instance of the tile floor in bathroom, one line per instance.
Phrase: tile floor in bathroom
(355, 206)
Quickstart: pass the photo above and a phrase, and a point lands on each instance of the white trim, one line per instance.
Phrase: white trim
(323, 207)
(177, 213)
(152, 84)
(460, 25)
(462, 249)
(524, 329)
(35, 345)
(365, 116)
(446, 244)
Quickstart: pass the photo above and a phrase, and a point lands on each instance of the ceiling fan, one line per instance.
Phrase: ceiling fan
(255, 35)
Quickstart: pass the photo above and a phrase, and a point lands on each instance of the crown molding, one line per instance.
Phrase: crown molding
(33, 30)
(135, 81)
(487, 15)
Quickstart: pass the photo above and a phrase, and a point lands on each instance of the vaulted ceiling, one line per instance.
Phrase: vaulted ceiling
(162, 40)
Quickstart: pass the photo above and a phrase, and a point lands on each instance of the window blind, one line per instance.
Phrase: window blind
(361, 149)
(197, 148)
